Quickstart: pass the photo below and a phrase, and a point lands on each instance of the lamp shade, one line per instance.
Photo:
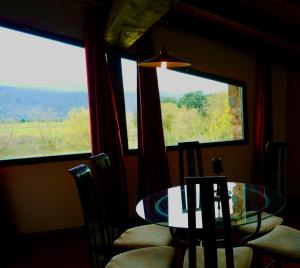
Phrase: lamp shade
(164, 60)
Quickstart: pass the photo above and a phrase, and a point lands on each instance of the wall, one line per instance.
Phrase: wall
(64, 18)
(215, 58)
(43, 197)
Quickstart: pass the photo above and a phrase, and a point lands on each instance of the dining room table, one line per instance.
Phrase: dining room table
(168, 207)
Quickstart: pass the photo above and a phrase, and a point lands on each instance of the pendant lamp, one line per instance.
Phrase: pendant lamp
(164, 60)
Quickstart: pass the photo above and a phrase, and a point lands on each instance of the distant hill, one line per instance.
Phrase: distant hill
(131, 102)
(17, 103)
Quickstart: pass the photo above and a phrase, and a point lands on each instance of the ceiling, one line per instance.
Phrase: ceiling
(277, 18)
(259, 25)
(272, 25)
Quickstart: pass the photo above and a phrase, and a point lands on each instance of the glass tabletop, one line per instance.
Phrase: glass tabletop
(169, 207)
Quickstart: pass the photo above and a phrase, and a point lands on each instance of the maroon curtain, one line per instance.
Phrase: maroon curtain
(153, 168)
(105, 132)
(263, 118)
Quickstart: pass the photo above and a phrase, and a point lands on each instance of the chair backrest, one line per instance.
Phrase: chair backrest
(101, 233)
(190, 160)
(208, 201)
(107, 187)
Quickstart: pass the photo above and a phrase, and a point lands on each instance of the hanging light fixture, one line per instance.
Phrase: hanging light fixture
(164, 60)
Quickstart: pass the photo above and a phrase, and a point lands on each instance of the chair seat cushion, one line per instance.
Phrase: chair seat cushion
(283, 240)
(152, 257)
(242, 257)
(148, 235)
(268, 223)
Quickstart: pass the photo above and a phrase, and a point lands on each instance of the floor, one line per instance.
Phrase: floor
(64, 249)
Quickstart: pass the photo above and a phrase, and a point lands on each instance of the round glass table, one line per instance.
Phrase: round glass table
(247, 202)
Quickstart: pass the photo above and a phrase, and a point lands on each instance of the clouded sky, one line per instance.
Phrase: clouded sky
(171, 81)
(31, 61)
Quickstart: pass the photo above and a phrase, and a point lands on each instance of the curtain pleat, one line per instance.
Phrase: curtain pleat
(153, 167)
(263, 118)
(105, 131)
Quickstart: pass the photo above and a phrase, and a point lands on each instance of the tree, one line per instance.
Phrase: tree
(216, 122)
(196, 100)
(180, 123)
(78, 130)
(131, 120)
(169, 100)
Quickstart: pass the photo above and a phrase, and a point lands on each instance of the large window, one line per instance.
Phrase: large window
(194, 107)
(43, 97)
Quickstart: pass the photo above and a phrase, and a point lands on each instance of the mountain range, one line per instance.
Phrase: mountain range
(31, 104)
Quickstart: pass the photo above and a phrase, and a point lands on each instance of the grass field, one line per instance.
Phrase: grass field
(34, 139)
(34, 129)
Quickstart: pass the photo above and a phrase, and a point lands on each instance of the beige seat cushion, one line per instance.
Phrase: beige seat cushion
(242, 257)
(152, 257)
(268, 223)
(148, 235)
(283, 240)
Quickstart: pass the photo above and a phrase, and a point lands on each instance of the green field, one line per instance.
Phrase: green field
(31, 139)
(208, 123)
(34, 128)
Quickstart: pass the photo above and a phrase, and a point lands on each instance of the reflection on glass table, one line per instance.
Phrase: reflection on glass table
(169, 207)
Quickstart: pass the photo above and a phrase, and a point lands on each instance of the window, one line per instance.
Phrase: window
(195, 107)
(43, 97)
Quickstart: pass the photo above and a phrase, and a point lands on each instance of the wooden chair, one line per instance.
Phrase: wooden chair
(135, 237)
(190, 164)
(103, 236)
(275, 169)
(190, 160)
(283, 243)
(254, 230)
(209, 255)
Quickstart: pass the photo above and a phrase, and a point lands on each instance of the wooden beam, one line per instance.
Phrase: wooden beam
(130, 19)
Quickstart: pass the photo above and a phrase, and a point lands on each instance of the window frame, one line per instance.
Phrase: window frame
(55, 37)
(120, 99)
(207, 75)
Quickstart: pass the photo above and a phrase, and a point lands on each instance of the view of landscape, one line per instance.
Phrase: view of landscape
(43, 97)
(39, 122)
(193, 108)
(193, 116)
(44, 101)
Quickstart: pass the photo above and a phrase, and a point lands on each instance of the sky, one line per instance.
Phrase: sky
(171, 81)
(31, 61)
(35, 62)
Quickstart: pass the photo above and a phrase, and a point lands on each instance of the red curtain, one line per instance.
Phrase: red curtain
(105, 132)
(153, 168)
(263, 118)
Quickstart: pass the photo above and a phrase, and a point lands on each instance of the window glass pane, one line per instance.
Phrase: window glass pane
(194, 108)
(43, 97)
(199, 109)
(129, 74)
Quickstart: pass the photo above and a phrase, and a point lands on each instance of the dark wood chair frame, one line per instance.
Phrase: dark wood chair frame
(101, 167)
(209, 234)
(193, 160)
(101, 234)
